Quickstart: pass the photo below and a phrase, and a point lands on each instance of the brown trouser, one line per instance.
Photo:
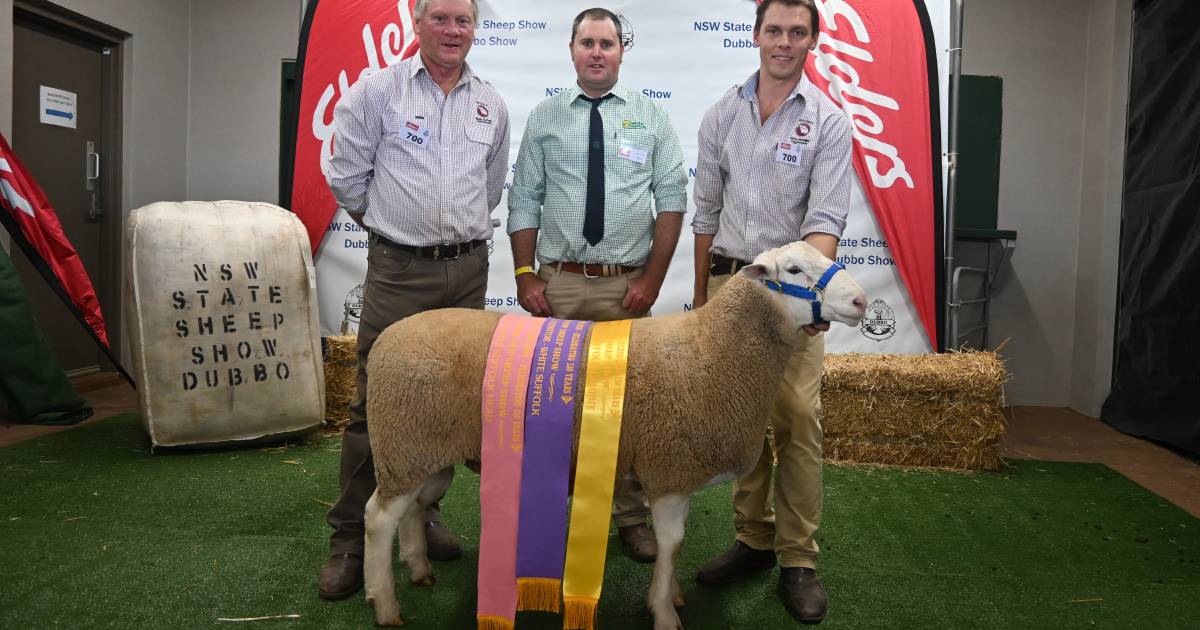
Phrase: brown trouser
(787, 524)
(575, 296)
(398, 284)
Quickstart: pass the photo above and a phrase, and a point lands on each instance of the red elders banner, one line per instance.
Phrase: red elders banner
(329, 65)
(874, 58)
(33, 224)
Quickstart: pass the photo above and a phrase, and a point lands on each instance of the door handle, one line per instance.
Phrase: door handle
(91, 166)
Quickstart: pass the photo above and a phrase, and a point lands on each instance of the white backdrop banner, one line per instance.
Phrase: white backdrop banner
(685, 54)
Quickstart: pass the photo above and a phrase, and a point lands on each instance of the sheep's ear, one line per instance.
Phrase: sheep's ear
(756, 271)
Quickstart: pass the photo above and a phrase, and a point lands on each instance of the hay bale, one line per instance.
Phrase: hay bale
(341, 363)
(940, 410)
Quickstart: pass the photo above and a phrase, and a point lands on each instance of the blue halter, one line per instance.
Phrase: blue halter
(813, 294)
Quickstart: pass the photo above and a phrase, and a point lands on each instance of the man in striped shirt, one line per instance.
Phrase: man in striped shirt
(591, 160)
(773, 168)
(420, 158)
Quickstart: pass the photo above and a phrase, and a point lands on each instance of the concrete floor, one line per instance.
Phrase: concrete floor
(1047, 433)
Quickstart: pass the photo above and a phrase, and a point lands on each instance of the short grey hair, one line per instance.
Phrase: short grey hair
(419, 10)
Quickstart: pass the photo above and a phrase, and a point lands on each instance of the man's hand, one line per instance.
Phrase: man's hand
(813, 329)
(531, 293)
(643, 291)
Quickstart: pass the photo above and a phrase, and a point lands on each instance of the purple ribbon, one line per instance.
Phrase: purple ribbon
(554, 387)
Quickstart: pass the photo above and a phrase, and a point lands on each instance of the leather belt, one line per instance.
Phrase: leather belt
(445, 251)
(592, 270)
(722, 266)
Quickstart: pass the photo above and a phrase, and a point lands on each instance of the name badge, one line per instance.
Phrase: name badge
(416, 133)
(788, 153)
(632, 152)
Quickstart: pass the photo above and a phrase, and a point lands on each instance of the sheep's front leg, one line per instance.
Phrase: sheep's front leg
(670, 515)
(382, 519)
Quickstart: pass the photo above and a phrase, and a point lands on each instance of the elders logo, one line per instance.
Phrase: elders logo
(803, 129)
(879, 322)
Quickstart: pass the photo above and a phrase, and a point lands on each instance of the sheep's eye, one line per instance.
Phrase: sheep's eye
(794, 269)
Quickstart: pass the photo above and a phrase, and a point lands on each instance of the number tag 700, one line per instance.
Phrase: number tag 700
(788, 153)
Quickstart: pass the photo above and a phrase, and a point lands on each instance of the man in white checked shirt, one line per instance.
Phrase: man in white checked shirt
(591, 160)
(420, 157)
(773, 168)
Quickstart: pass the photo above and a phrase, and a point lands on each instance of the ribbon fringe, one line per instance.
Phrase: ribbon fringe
(489, 622)
(539, 594)
(580, 613)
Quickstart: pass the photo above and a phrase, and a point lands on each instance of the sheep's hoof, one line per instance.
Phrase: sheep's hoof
(428, 580)
(386, 613)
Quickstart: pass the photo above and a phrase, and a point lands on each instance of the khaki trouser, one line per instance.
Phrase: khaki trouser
(575, 296)
(787, 524)
(398, 284)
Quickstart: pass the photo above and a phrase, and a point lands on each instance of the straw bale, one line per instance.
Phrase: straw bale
(940, 410)
(341, 362)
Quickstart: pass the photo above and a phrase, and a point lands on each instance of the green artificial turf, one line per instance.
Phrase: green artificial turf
(97, 532)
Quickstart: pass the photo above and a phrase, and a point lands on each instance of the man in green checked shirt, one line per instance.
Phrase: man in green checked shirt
(591, 160)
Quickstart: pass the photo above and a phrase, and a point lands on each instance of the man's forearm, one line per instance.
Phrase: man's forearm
(825, 243)
(524, 246)
(666, 236)
(703, 259)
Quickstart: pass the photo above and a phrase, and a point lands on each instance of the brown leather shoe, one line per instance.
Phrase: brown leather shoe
(802, 594)
(639, 542)
(341, 576)
(441, 543)
(739, 562)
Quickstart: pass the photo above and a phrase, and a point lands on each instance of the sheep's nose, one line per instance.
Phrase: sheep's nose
(860, 302)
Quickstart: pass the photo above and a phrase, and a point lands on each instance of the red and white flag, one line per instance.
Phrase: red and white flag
(875, 59)
(34, 226)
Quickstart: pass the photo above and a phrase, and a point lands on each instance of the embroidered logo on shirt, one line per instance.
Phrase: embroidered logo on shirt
(482, 114)
(633, 124)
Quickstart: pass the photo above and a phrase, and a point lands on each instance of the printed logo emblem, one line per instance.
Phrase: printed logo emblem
(352, 310)
(412, 125)
(803, 129)
(785, 146)
(481, 113)
(633, 124)
(879, 323)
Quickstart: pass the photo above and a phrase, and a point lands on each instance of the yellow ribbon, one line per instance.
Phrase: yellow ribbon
(595, 472)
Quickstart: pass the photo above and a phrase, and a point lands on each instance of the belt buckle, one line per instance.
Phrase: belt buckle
(586, 275)
(437, 251)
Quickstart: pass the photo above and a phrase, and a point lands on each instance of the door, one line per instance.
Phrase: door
(65, 159)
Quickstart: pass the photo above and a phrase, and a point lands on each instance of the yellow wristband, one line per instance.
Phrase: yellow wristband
(521, 270)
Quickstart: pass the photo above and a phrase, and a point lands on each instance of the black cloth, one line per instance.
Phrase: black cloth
(593, 218)
(1156, 373)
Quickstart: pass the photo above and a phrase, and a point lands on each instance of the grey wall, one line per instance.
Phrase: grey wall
(233, 120)
(155, 94)
(1100, 203)
(1060, 87)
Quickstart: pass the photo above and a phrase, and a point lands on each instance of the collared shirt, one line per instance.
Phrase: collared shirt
(764, 185)
(426, 167)
(642, 158)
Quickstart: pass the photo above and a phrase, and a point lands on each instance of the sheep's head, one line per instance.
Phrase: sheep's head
(802, 266)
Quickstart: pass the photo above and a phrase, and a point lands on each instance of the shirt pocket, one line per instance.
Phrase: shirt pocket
(473, 154)
(395, 132)
(640, 157)
(791, 181)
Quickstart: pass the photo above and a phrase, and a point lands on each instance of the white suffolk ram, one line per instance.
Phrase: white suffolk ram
(685, 424)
